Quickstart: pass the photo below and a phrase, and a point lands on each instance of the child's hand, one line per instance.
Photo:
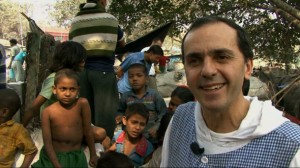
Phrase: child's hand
(118, 119)
(93, 161)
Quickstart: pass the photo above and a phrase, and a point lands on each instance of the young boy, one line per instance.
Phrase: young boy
(146, 58)
(131, 141)
(155, 104)
(13, 136)
(64, 124)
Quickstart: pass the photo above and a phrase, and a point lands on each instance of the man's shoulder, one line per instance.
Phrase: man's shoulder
(135, 55)
(186, 107)
(289, 130)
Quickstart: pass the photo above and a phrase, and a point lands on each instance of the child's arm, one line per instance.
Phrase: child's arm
(47, 138)
(119, 72)
(28, 159)
(33, 110)
(87, 130)
(25, 144)
(112, 148)
(161, 109)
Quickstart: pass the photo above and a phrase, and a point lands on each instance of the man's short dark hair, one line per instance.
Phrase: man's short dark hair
(155, 49)
(242, 37)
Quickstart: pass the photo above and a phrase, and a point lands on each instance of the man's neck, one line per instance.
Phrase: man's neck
(146, 57)
(226, 120)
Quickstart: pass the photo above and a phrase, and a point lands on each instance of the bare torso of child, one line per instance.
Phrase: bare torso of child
(66, 127)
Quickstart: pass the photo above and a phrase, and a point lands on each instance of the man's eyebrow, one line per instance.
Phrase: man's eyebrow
(221, 50)
(195, 55)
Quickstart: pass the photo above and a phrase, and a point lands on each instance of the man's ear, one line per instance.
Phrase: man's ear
(248, 68)
(124, 120)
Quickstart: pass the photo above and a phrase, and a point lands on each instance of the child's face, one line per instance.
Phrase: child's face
(135, 125)
(66, 90)
(174, 102)
(137, 78)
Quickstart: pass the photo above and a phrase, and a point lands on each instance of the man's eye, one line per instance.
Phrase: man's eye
(193, 62)
(223, 57)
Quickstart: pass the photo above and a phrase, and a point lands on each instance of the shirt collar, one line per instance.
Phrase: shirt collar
(8, 123)
(147, 92)
(141, 146)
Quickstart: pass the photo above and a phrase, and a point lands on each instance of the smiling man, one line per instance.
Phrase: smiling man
(224, 128)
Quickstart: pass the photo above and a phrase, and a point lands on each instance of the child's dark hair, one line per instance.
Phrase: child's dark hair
(183, 93)
(114, 159)
(137, 108)
(155, 49)
(68, 54)
(139, 65)
(164, 122)
(13, 41)
(11, 100)
(68, 73)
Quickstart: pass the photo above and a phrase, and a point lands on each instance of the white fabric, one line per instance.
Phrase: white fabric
(261, 119)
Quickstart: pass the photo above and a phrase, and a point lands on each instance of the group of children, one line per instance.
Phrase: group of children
(66, 122)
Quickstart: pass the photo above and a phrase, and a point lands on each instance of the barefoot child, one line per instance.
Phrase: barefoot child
(131, 141)
(65, 124)
(13, 136)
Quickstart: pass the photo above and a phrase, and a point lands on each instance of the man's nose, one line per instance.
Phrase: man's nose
(208, 67)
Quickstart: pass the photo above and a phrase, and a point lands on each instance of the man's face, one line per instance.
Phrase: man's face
(135, 125)
(154, 58)
(215, 67)
(66, 90)
(137, 78)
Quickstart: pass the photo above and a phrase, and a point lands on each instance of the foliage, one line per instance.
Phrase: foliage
(10, 20)
(64, 10)
(274, 38)
(275, 32)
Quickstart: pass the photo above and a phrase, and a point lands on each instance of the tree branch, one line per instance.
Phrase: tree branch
(287, 8)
